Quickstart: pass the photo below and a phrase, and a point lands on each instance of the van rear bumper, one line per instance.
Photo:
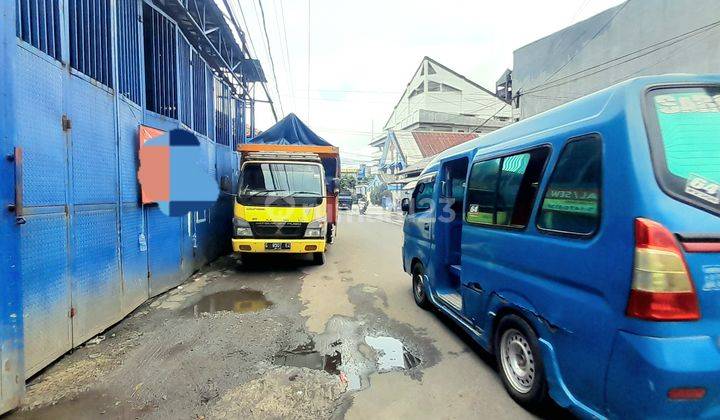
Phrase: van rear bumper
(643, 369)
(297, 246)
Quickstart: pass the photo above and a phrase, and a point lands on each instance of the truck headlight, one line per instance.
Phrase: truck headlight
(316, 228)
(241, 228)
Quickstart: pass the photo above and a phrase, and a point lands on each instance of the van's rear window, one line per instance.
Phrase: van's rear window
(686, 143)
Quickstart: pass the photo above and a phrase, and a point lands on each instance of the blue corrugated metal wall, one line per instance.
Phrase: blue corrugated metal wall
(90, 252)
(11, 351)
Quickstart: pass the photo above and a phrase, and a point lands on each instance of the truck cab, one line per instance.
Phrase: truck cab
(281, 205)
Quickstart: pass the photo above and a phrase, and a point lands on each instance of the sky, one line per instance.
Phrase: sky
(363, 53)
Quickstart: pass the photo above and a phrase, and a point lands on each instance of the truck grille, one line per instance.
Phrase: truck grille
(271, 230)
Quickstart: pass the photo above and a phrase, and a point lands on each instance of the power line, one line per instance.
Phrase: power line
(489, 118)
(599, 31)
(283, 54)
(272, 62)
(624, 77)
(646, 50)
(242, 39)
(579, 10)
(287, 55)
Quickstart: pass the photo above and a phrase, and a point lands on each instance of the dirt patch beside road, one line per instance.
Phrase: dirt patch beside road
(283, 392)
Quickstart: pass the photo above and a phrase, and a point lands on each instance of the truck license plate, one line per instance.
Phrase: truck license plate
(277, 246)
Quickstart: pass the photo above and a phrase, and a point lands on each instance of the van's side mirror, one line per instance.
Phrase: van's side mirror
(405, 205)
(335, 186)
(226, 184)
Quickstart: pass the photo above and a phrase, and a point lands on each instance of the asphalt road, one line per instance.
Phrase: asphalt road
(278, 337)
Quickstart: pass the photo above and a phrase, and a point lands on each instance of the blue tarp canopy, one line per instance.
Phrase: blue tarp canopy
(290, 130)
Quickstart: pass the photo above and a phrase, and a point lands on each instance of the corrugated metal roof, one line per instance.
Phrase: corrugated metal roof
(430, 143)
(408, 146)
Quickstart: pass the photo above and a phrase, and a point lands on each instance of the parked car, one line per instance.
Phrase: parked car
(585, 251)
(345, 200)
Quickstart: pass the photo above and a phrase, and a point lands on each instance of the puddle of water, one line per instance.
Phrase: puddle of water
(239, 301)
(391, 354)
(345, 358)
(304, 356)
(88, 405)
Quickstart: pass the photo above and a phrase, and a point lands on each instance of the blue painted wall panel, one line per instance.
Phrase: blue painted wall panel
(222, 163)
(39, 113)
(94, 154)
(46, 286)
(96, 282)
(211, 158)
(130, 118)
(88, 253)
(134, 258)
(11, 326)
(164, 251)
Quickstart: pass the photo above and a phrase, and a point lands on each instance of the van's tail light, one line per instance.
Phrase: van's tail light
(686, 393)
(662, 289)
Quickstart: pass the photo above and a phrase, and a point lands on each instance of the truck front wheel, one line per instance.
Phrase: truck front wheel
(318, 258)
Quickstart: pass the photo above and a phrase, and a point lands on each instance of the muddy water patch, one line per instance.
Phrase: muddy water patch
(346, 350)
(90, 404)
(306, 356)
(238, 301)
(391, 354)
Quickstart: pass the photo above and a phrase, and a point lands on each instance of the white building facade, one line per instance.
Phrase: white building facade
(440, 99)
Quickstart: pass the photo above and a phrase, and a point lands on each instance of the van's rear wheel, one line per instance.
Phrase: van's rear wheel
(519, 361)
(419, 286)
(318, 258)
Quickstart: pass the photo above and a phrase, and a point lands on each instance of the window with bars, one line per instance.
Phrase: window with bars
(128, 21)
(160, 64)
(238, 122)
(184, 72)
(38, 24)
(210, 95)
(89, 32)
(222, 113)
(199, 97)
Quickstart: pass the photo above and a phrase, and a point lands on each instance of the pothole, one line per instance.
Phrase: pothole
(391, 354)
(238, 301)
(305, 356)
(353, 359)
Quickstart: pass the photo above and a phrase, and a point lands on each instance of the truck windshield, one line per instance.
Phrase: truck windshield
(686, 143)
(281, 179)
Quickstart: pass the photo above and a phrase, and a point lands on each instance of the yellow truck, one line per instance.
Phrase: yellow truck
(284, 202)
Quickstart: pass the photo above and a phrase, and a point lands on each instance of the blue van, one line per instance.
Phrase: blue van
(582, 247)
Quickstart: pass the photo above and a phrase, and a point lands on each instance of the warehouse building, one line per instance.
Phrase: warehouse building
(79, 80)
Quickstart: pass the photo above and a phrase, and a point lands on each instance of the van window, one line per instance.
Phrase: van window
(423, 195)
(502, 191)
(572, 200)
(684, 128)
(482, 192)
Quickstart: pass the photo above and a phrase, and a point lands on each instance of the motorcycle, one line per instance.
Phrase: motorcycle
(363, 203)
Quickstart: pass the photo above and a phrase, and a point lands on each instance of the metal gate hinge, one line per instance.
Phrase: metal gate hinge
(66, 123)
(73, 312)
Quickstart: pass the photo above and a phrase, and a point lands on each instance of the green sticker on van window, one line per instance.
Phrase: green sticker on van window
(690, 127)
(572, 201)
(474, 215)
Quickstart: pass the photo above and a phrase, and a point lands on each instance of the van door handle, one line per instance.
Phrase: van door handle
(427, 226)
(476, 287)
